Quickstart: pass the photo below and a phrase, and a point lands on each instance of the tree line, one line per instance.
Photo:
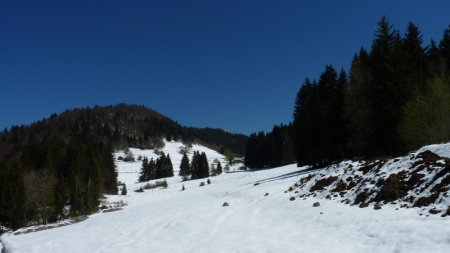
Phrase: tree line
(161, 168)
(53, 178)
(196, 169)
(395, 98)
(271, 149)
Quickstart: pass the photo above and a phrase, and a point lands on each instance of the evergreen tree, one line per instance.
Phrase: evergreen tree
(195, 165)
(427, 118)
(144, 174)
(203, 166)
(151, 169)
(218, 170)
(167, 166)
(444, 48)
(185, 169)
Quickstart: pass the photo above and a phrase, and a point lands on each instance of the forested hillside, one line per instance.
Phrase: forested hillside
(395, 98)
(60, 166)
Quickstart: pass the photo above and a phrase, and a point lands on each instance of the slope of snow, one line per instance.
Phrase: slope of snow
(439, 149)
(171, 220)
(419, 179)
(129, 172)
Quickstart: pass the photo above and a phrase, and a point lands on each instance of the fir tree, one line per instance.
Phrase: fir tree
(185, 169)
(144, 174)
(203, 166)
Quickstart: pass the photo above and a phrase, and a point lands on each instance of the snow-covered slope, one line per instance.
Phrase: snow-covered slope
(419, 179)
(260, 218)
(129, 172)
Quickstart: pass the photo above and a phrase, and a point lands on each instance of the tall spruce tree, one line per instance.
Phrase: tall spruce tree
(203, 166)
(144, 175)
(185, 169)
(444, 48)
(218, 168)
(195, 165)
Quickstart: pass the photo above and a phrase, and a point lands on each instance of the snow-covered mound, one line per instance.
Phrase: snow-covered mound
(259, 217)
(419, 179)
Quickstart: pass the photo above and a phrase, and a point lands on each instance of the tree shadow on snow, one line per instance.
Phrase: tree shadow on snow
(287, 175)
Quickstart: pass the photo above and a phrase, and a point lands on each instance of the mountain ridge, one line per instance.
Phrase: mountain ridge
(129, 125)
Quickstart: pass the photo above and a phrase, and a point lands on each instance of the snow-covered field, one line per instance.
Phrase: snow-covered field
(171, 220)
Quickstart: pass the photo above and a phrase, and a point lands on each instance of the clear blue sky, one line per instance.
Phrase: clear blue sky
(235, 65)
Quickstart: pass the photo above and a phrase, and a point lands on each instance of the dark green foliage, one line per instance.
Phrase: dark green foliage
(127, 126)
(426, 119)
(204, 166)
(218, 170)
(54, 174)
(12, 196)
(444, 48)
(161, 168)
(185, 169)
(199, 165)
(396, 99)
(318, 119)
(216, 139)
(272, 149)
(148, 170)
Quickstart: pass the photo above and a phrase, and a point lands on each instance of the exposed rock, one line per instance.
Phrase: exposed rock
(447, 213)
(377, 206)
(434, 211)
(316, 204)
(322, 183)
(394, 188)
(363, 205)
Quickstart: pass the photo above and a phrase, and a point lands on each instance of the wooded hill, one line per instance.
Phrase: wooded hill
(60, 166)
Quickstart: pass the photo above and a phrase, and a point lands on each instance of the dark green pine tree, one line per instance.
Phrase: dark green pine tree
(435, 62)
(143, 175)
(151, 169)
(159, 173)
(195, 165)
(203, 166)
(12, 196)
(412, 68)
(219, 169)
(357, 106)
(305, 124)
(167, 166)
(251, 152)
(385, 94)
(185, 169)
(444, 48)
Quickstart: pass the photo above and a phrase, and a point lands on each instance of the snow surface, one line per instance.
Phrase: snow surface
(171, 220)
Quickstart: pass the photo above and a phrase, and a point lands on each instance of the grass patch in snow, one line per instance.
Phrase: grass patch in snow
(155, 185)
